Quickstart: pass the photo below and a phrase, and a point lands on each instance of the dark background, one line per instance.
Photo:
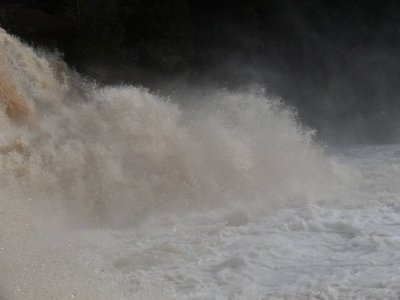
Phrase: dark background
(337, 62)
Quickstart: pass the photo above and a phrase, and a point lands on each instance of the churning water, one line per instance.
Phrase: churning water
(118, 193)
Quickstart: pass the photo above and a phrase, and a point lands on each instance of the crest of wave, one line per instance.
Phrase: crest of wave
(116, 154)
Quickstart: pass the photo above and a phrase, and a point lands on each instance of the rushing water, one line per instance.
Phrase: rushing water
(118, 193)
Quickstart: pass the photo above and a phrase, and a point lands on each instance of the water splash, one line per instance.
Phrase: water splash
(117, 153)
(73, 152)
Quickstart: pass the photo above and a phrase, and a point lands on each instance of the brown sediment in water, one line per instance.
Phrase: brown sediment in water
(18, 147)
(12, 101)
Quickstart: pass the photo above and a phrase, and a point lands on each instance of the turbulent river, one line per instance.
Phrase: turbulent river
(119, 193)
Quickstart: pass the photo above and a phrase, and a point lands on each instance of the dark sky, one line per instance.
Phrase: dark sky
(337, 62)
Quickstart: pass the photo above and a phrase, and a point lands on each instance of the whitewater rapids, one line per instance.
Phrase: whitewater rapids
(118, 193)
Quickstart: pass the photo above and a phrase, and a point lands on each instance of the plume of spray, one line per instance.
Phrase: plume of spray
(73, 151)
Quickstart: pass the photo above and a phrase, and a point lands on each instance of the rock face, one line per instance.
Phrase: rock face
(40, 21)
(34, 24)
